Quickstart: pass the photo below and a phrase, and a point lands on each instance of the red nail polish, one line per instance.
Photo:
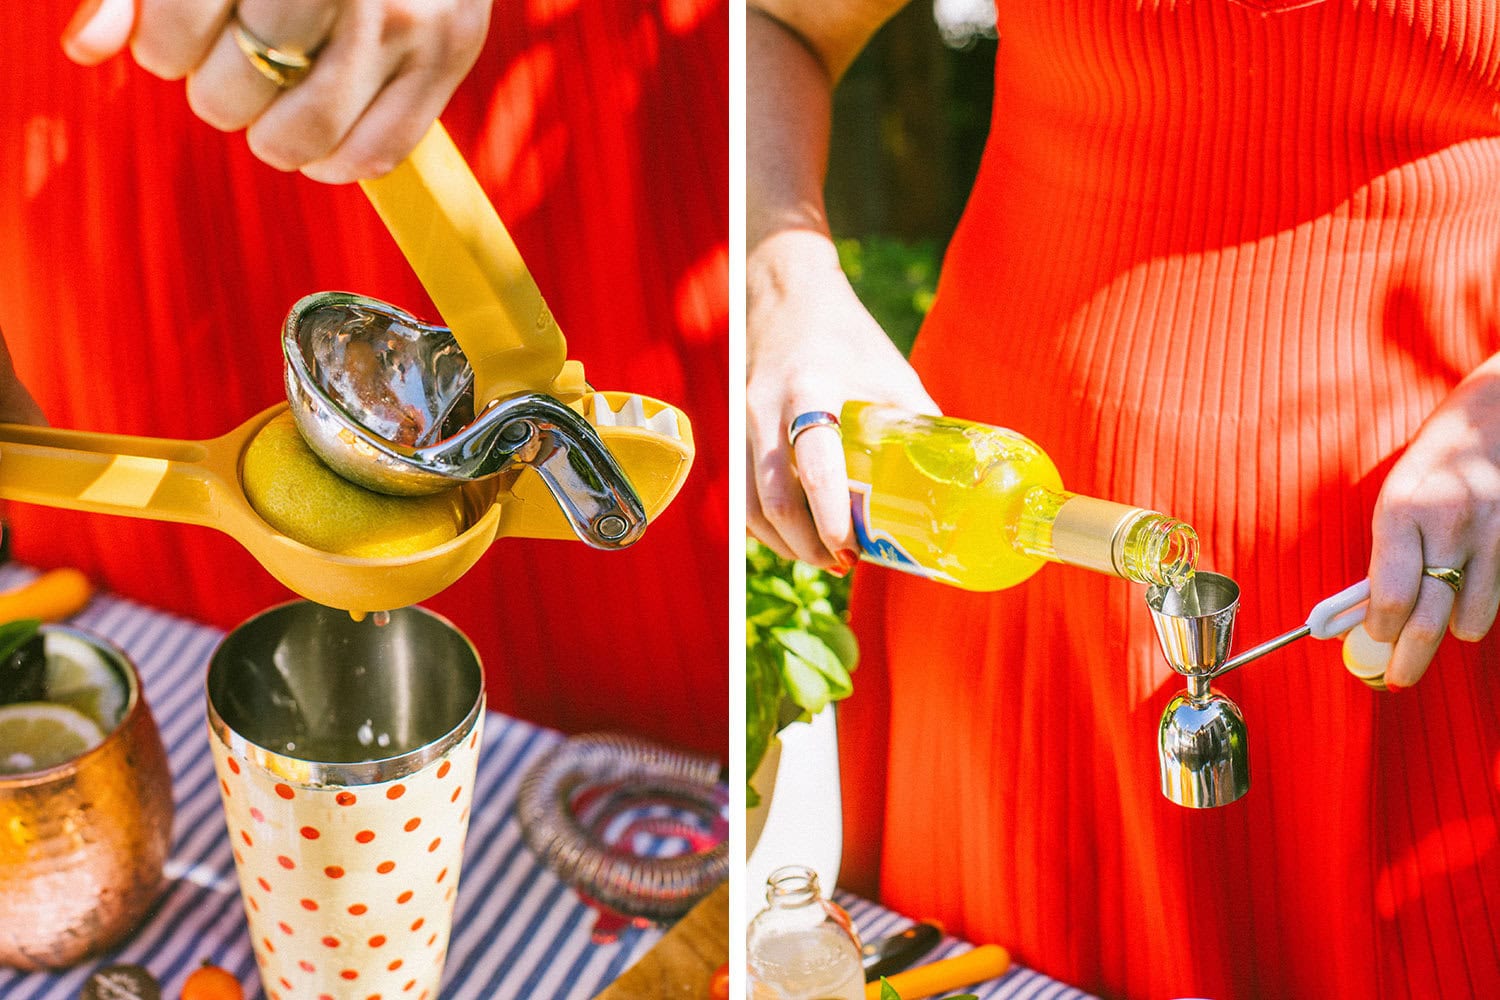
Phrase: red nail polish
(838, 571)
(847, 559)
(1393, 688)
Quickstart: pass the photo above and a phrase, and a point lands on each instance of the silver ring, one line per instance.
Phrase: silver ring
(283, 67)
(807, 421)
(1446, 574)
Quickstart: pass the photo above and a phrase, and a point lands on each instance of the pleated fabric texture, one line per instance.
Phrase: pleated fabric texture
(1222, 264)
(147, 261)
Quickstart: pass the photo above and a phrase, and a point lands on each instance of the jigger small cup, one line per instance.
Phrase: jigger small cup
(346, 754)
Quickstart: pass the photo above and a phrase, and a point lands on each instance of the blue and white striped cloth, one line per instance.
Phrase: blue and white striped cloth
(518, 932)
(1019, 983)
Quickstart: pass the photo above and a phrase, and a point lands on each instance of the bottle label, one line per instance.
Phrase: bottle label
(879, 546)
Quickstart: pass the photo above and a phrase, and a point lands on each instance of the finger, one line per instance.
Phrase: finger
(388, 130)
(1479, 600)
(313, 118)
(1424, 629)
(785, 506)
(225, 90)
(755, 522)
(229, 92)
(98, 30)
(299, 27)
(819, 462)
(173, 36)
(1395, 575)
(393, 124)
(782, 502)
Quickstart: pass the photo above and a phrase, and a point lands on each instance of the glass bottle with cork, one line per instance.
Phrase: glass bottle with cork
(983, 508)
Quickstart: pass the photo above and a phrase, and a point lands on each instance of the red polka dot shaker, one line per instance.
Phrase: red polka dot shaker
(346, 753)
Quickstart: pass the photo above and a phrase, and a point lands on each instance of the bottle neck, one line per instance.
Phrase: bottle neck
(1131, 542)
(792, 886)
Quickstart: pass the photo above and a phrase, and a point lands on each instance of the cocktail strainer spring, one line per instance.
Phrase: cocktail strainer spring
(634, 827)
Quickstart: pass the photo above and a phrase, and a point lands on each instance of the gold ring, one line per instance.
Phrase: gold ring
(283, 67)
(1447, 574)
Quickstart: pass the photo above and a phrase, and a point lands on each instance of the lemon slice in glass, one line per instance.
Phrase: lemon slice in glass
(79, 676)
(35, 735)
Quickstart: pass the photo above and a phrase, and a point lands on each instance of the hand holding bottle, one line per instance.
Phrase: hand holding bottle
(810, 346)
(1440, 508)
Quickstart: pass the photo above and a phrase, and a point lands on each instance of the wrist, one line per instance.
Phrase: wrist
(787, 262)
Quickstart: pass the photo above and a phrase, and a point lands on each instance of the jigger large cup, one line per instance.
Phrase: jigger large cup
(346, 754)
(1202, 745)
(1196, 629)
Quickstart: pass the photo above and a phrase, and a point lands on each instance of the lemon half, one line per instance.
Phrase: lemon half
(35, 735)
(304, 499)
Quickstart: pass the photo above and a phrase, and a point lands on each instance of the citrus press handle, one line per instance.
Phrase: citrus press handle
(585, 480)
(454, 240)
(153, 478)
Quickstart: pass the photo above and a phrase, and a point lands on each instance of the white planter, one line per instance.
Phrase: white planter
(799, 820)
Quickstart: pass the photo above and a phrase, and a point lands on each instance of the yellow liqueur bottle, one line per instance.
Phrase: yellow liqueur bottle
(983, 508)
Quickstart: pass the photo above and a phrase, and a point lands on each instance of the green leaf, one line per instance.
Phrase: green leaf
(764, 609)
(837, 637)
(812, 651)
(810, 582)
(758, 558)
(14, 635)
(887, 991)
(762, 699)
(807, 688)
(774, 586)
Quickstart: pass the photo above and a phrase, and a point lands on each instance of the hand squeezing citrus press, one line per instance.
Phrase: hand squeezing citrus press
(1202, 743)
(569, 462)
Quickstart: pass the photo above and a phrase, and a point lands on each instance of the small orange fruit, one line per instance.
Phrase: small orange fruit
(209, 982)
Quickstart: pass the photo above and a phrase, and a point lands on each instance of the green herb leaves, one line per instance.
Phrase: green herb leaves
(798, 650)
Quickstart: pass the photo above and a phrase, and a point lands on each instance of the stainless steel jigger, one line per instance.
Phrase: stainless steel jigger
(1202, 743)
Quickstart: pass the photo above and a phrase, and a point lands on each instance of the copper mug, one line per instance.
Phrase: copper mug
(82, 844)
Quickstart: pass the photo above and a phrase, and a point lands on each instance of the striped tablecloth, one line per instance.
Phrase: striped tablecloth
(518, 931)
(1020, 983)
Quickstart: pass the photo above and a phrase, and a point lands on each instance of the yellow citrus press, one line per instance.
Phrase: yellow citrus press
(486, 412)
(199, 482)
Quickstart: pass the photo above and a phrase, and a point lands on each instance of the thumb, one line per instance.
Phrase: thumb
(98, 30)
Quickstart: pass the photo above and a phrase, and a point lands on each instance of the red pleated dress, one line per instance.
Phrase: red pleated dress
(1222, 264)
(147, 261)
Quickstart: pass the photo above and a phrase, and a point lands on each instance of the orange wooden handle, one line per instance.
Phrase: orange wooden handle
(985, 962)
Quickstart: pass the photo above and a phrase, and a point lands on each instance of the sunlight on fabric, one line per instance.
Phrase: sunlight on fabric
(1456, 845)
(45, 146)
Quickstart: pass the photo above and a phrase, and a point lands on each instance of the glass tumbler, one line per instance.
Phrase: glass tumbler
(82, 844)
(346, 754)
